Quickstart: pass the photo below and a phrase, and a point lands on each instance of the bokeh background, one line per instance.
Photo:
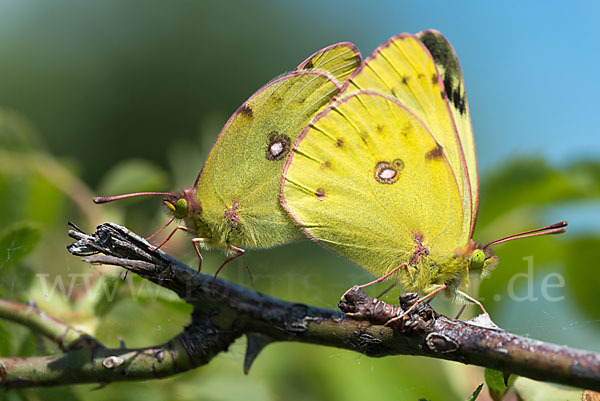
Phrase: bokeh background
(104, 97)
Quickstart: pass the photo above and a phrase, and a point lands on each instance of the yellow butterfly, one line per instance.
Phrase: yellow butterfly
(234, 203)
(387, 175)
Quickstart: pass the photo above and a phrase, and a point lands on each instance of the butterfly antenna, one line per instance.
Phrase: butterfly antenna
(105, 199)
(556, 228)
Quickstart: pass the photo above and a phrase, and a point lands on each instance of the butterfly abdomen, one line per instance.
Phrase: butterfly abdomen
(245, 228)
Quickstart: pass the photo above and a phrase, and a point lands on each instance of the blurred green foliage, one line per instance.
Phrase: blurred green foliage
(131, 139)
(529, 390)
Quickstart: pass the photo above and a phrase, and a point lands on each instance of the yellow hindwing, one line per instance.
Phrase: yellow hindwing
(404, 69)
(369, 180)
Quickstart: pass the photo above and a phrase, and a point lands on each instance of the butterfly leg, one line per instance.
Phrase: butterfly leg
(196, 242)
(380, 279)
(433, 293)
(184, 228)
(471, 299)
(462, 309)
(239, 252)
(162, 228)
(382, 293)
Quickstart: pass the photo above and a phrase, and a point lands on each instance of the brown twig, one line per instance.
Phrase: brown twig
(234, 311)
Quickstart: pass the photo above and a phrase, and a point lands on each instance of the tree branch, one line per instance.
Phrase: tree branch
(219, 318)
(41, 323)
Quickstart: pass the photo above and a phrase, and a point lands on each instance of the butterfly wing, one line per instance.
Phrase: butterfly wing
(369, 180)
(339, 61)
(404, 69)
(238, 186)
(452, 78)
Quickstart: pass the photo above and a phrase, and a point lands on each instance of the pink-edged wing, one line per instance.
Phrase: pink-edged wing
(369, 180)
(404, 68)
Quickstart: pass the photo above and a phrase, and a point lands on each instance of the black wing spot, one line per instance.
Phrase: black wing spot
(339, 143)
(388, 173)
(455, 95)
(278, 146)
(309, 65)
(405, 79)
(435, 79)
(448, 84)
(459, 100)
(320, 194)
(441, 52)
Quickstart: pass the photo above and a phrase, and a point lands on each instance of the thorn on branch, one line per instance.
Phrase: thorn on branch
(256, 343)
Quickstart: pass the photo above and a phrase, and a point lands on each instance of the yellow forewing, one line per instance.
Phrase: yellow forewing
(238, 186)
(452, 78)
(369, 180)
(403, 69)
(339, 61)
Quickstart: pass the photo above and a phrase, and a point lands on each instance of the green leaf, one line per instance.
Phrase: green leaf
(133, 176)
(496, 384)
(531, 390)
(475, 394)
(16, 242)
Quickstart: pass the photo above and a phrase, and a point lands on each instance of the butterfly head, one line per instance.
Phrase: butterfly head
(180, 205)
(183, 204)
(482, 260)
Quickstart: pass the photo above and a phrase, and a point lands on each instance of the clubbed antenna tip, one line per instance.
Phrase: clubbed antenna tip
(556, 228)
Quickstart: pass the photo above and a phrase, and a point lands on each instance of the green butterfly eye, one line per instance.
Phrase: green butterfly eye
(181, 208)
(477, 259)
